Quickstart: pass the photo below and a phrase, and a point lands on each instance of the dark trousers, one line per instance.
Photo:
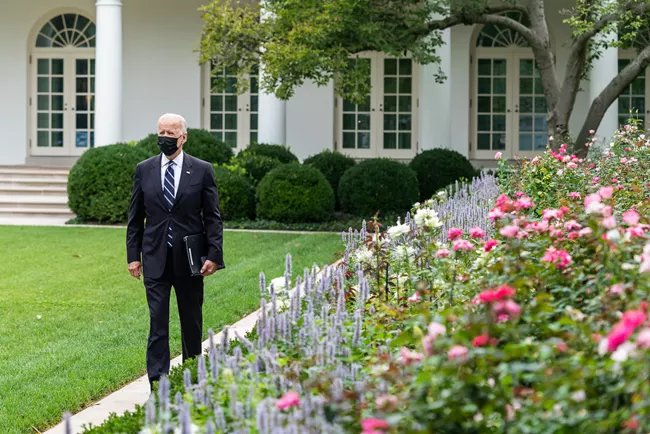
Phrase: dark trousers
(189, 297)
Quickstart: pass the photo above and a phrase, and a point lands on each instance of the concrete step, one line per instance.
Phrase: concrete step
(34, 211)
(33, 170)
(33, 220)
(26, 181)
(7, 189)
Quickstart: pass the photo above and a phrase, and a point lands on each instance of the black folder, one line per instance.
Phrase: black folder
(196, 247)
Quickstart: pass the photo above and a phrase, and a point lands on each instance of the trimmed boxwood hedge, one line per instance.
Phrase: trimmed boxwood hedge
(280, 152)
(200, 144)
(236, 194)
(101, 181)
(379, 184)
(256, 166)
(333, 165)
(295, 193)
(438, 168)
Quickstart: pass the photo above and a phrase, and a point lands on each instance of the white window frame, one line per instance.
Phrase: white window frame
(243, 111)
(630, 54)
(69, 56)
(377, 114)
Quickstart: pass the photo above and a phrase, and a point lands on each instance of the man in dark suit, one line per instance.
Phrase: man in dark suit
(174, 195)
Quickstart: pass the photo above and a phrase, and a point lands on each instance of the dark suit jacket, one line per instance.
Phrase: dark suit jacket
(195, 210)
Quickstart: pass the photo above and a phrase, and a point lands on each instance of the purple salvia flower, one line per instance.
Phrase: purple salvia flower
(208, 396)
(163, 394)
(185, 419)
(214, 364)
(168, 428)
(225, 339)
(262, 284)
(178, 400)
(233, 399)
(274, 301)
(202, 371)
(344, 236)
(262, 419)
(287, 264)
(239, 411)
(220, 418)
(261, 321)
(209, 427)
(245, 342)
(198, 397)
(187, 380)
(357, 328)
(150, 412)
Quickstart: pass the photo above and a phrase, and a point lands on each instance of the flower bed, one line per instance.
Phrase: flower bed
(478, 314)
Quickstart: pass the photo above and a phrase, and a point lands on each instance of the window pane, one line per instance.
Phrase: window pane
(526, 86)
(43, 120)
(57, 66)
(216, 121)
(390, 141)
(253, 121)
(43, 138)
(525, 142)
(390, 103)
(349, 121)
(484, 142)
(231, 121)
(390, 84)
(365, 106)
(82, 66)
(499, 67)
(499, 85)
(525, 123)
(540, 123)
(82, 121)
(540, 104)
(81, 139)
(57, 139)
(498, 142)
(390, 122)
(484, 104)
(526, 104)
(484, 67)
(498, 123)
(526, 67)
(82, 85)
(57, 120)
(405, 85)
(405, 122)
(484, 85)
(57, 85)
(231, 103)
(216, 103)
(484, 123)
(254, 103)
(230, 137)
(43, 102)
(348, 140)
(43, 66)
(82, 103)
(57, 102)
(499, 104)
(390, 66)
(43, 84)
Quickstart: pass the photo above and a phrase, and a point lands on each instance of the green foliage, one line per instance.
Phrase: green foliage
(279, 152)
(313, 40)
(101, 181)
(332, 165)
(200, 144)
(236, 194)
(339, 223)
(255, 166)
(378, 185)
(438, 168)
(295, 193)
(131, 422)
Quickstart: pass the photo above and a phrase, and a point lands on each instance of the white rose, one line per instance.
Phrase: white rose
(396, 231)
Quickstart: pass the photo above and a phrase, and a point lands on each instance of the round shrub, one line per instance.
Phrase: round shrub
(101, 181)
(280, 152)
(438, 168)
(293, 193)
(236, 194)
(333, 165)
(256, 166)
(200, 144)
(379, 184)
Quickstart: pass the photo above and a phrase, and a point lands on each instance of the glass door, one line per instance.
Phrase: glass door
(355, 133)
(632, 102)
(491, 106)
(530, 110)
(62, 105)
(398, 138)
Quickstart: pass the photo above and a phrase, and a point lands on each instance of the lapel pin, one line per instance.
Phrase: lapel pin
(187, 172)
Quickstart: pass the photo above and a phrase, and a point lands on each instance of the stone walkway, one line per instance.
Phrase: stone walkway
(136, 393)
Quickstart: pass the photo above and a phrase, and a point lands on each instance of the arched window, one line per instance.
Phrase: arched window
(67, 30)
(62, 97)
(495, 36)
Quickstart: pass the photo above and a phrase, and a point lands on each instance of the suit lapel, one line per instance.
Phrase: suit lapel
(156, 176)
(186, 176)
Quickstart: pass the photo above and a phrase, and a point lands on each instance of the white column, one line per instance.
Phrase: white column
(435, 100)
(602, 73)
(272, 117)
(108, 73)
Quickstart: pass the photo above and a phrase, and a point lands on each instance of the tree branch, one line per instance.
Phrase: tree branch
(467, 19)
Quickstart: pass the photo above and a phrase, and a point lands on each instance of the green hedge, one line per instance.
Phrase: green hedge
(236, 194)
(380, 185)
(438, 168)
(101, 181)
(279, 152)
(256, 166)
(295, 193)
(200, 144)
(333, 165)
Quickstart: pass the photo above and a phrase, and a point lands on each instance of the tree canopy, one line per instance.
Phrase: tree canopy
(299, 40)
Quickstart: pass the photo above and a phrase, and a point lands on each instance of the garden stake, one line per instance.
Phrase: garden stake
(386, 283)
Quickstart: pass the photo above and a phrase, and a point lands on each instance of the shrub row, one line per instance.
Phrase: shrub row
(267, 181)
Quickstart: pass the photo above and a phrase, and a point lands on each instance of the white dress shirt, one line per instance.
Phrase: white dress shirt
(178, 168)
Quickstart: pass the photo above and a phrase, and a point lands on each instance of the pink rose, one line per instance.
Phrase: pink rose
(497, 156)
(509, 231)
(409, 357)
(574, 195)
(616, 289)
(415, 298)
(490, 244)
(481, 340)
(290, 399)
(606, 192)
(619, 334)
(495, 214)
(454, 233)
(457, 352)
(373, 424)
(442, 253)
(631, 217)
(523, 203)
(609, 222)
(476, 232)
(462, 245)
(572, 225)
(436, 329)
(643, 339)
(386, 401)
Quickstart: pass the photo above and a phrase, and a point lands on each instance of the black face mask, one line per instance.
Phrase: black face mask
(168, 145)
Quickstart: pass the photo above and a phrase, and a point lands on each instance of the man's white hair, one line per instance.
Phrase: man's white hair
(176, 119)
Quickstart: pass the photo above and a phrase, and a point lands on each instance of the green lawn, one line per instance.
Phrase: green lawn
(74, 323)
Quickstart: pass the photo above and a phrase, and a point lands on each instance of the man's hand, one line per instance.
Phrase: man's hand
(135, 268)
(208, 268)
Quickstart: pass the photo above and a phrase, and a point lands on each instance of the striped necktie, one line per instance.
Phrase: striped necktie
(168, 189)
